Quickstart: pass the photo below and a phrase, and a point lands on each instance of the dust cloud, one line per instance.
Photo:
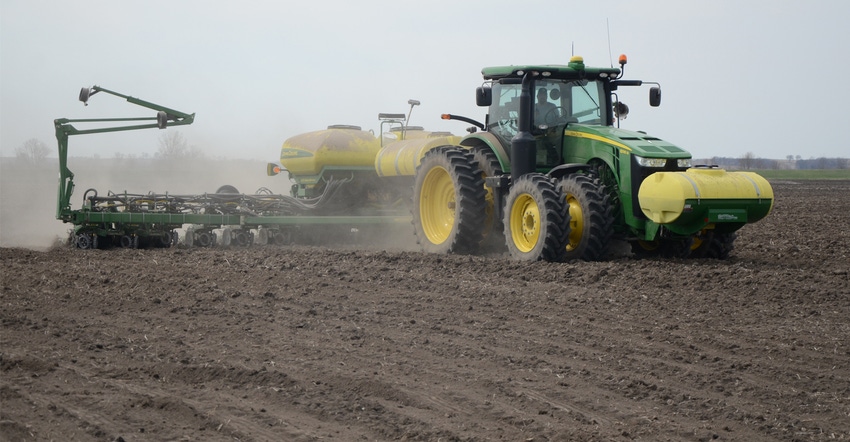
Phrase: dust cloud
(29, 192)
(29, 195)
(28, 204)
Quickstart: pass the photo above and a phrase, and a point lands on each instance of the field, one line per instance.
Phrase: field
(826, 174)
(385, 343)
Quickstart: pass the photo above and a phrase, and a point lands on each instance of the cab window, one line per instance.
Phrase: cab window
(504, 112)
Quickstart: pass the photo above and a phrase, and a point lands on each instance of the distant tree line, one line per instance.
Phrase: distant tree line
(172, 146)
(823, 163)
(750, 161)
(32, 152)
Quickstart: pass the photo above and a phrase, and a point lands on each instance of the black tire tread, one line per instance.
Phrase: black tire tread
(488, 164)
(554, 219)
(716, 246)
(597, 213)
(468, 229)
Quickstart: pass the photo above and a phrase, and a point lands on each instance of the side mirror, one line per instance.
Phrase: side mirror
(655, 96)
(483, 96)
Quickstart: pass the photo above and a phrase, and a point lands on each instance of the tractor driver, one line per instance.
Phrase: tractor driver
(543, 107)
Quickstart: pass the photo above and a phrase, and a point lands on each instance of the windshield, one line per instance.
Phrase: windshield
(556, 103)
(559, 102)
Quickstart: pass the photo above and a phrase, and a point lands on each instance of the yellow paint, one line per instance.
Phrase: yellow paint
(623, 148)
(525, 223)
(663, 195)
(400, 158)
(437, 205)
(576, 222)
(309, 153)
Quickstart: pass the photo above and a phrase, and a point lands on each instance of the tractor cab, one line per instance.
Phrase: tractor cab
(556, 97)
(557, 103)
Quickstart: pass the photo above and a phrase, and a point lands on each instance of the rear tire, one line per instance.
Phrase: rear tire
(448, 202)
(130, 242)
(241, 238)
(282, 237)
(84, 241)
(591, 220)
(679, 248)
(536, 220)
(164, 239)
(488, 164)
(204, 239)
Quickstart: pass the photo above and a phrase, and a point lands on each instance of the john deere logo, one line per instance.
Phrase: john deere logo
(294, 153)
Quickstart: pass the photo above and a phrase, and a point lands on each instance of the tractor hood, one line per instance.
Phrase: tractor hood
(628, 142)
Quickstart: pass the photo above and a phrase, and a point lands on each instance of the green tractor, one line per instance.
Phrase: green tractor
(550, 175)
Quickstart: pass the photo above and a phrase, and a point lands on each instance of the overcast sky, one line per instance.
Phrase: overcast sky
(737, 75)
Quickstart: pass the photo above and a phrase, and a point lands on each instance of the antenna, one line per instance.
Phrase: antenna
(608, 28)
(572, 49)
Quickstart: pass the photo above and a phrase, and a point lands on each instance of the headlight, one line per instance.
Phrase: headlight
(651, 162)
(684, 162)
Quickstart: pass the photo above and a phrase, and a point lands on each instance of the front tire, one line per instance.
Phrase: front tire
(448, 202)
(713, 245)
(591, 219)
(536, 220)
(673, 248)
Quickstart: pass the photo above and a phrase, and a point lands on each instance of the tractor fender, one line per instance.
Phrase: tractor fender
(489, 140)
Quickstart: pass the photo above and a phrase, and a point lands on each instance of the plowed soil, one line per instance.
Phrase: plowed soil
(302, 343)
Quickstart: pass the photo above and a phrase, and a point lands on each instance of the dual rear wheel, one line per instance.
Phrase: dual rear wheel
(448, 202)
(543, 219)
(453, 212)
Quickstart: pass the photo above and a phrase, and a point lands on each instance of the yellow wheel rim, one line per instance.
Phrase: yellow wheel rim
(437, 205)
(525, 223)
(649, 246)
(576, 223)
(699, 239)
(697, 242)
(489, 210)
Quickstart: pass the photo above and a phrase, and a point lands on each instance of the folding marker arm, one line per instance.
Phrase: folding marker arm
(164, 117)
